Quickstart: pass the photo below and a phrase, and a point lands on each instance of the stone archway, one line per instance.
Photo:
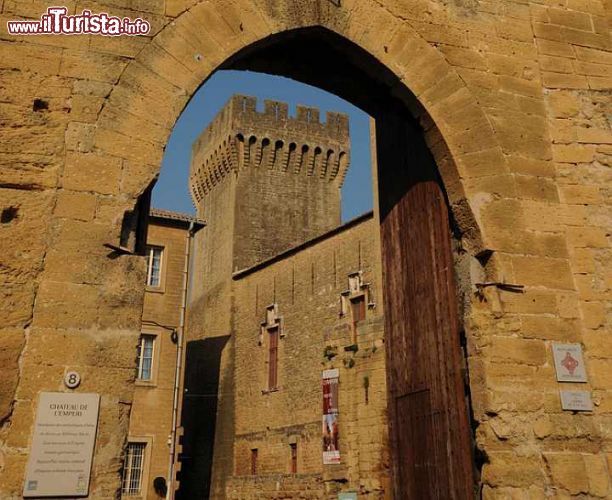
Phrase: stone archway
(412, 63)
(165, 74)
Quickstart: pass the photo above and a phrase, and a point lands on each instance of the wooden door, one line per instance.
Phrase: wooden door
(429, 423)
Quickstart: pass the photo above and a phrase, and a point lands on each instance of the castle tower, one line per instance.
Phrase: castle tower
(281, 175)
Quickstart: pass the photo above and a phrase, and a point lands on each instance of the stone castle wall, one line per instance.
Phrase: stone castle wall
(208, 323)
(264, 185)
(306, 286)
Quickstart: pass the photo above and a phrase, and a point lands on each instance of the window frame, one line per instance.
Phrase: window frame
(358, 299)
(273, 331)
(254, 457)
(293, 464)
(155, 356)
(160, 287)
(146, 443)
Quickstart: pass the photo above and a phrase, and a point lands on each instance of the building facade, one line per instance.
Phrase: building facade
(150, 455)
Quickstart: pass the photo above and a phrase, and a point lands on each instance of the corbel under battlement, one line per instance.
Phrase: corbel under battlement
(241, 137)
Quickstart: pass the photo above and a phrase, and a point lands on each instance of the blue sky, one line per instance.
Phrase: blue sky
(171, 191)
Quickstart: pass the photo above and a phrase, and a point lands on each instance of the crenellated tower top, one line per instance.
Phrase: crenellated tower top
(266, 181)
(240, 137)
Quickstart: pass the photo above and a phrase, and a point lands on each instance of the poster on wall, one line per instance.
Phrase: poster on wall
(331, 446)
(330, 392)
(331, 449)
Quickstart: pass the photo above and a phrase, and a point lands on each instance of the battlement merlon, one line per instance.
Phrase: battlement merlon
(240, 113)
(240, 137)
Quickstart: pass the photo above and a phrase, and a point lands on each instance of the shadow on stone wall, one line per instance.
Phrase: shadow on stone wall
(199, 411)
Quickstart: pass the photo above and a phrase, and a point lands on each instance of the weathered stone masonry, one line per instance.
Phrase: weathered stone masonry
(287, 172)
(306, 285)
(514, 95)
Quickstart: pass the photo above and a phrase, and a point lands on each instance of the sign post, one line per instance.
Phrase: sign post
(576, 400)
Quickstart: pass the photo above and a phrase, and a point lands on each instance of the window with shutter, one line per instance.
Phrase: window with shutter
(358, 308)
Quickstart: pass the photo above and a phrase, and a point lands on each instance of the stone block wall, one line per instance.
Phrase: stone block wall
(306, 285)
(209, 322)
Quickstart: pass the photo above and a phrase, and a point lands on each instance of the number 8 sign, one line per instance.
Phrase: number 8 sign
(72, 380)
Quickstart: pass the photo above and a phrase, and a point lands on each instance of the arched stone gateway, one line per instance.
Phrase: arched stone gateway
(499, 94)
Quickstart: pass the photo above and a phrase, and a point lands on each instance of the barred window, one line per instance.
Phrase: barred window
(154, 266)
(133, 469)
(145, 357)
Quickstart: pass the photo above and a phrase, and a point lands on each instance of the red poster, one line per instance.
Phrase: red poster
(330, 396)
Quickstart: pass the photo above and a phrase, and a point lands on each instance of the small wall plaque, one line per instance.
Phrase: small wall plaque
(62, 445)
(569, 363)
(576, 400)
(72, 380)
